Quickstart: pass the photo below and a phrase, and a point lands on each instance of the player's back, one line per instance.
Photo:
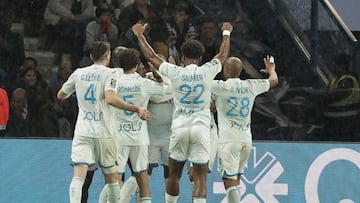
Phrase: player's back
(90, 92)
(234, 100)
(192, 88)
(135, 90)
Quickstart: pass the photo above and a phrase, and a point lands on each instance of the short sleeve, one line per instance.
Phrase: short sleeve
(168, 69)
(69, 86)
(260, 85)
(111, 80)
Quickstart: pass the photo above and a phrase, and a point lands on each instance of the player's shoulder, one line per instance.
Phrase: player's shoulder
(212, 62)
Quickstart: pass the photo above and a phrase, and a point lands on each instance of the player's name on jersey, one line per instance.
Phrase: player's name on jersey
(135, 88)
(190, 78)
(132, 126)
(239, 90)
(92, 116)
(90, 77)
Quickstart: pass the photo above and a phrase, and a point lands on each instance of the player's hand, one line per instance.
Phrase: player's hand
(227, 26)
(143, 113)
(269, 64)
(139, 29)
(171, 60)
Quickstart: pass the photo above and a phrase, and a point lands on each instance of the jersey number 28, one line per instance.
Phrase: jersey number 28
(244, 105)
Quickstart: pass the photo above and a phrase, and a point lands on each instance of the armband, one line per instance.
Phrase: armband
(226, 32)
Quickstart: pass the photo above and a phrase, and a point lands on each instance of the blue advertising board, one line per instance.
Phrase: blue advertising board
(39, 171)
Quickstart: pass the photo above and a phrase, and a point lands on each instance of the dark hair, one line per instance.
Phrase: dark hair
(99, 49)
(103, 8)
(129, 58)
(31, 59)
(192, 49)
(182, 7)
(208, 19)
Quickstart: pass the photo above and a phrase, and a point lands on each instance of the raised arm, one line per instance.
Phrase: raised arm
(138, 30)
(270, 69)
(112, 99)
(225, 44)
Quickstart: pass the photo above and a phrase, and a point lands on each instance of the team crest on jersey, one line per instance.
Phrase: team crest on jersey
(113, 83)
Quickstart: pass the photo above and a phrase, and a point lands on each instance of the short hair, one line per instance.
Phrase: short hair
(99, 49)
(32, 59)
(182, 7)
(103, 8)
(209, 19)
(116, 55)
(192, 49)
(129, 58)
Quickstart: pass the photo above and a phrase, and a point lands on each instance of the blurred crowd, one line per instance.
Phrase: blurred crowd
(68, 29)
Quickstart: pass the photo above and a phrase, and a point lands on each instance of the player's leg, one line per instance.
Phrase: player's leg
(233, 157)
(153, 152)
(138, 157)
(172, 186)
(130, 187)
(77, 181)
(178, 153)
(106, 151)
(87, 183)
(165, 161)
(81, 152)
(199, 172)
(143, 182)
(232, 190)
(199, 153)
(213, 143)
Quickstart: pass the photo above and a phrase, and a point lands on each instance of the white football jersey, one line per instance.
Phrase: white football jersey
(89, 84)
(132, 88)
(192, 89)
(234, 99)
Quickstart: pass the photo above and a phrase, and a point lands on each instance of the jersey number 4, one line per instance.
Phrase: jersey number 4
(90, 94)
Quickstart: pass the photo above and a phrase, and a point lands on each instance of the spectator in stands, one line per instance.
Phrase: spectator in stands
(66, 21)
(118, 5)
(18, 125)
(100, 29)
(66, 110)
(179, 29)
(209, 36)
(139, 11)
(31, 61)
(37, 97)
(12, 52)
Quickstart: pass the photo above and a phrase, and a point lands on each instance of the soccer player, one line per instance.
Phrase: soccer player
(191, 121)
(131, 132)
(234, 99)
(93, 142)
(161, 109)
